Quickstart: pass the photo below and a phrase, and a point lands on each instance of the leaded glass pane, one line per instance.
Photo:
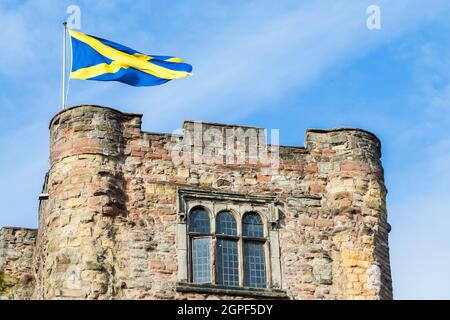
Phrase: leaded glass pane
(254, 263)
(227, 264)
(252, 226)
(201, 260)
(226, 224)
(199, 221)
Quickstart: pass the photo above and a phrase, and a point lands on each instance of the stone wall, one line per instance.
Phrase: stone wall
(109, 227)
(16, 273)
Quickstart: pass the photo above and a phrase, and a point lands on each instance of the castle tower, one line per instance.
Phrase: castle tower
(117, 215)
(350, 172)
(86, 195)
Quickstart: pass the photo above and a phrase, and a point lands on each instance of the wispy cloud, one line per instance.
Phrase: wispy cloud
(419, 202)
(246, 57)
(22, 169)
(249, 64)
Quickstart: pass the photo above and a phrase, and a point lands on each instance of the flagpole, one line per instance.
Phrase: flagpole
(63, 86)
(70, 65)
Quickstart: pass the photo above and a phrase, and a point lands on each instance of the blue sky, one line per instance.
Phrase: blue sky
(289, 65)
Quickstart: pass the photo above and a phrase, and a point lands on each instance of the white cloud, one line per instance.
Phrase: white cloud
(419, 202)
(244, 57)
(22, 170)
(251, 63)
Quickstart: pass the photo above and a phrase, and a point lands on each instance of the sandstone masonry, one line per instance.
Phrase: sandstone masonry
(16, 253)
(113, 215)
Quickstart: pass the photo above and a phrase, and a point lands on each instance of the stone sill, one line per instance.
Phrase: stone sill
(231, 291)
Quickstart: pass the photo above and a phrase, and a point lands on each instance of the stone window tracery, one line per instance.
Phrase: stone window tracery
(227, 241)
(219, 262)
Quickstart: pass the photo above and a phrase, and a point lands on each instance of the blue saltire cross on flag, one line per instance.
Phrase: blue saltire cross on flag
(103, 60)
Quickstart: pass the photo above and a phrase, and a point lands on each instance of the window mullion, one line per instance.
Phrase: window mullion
(190, 269)
(241, 261)
(267, 264)
(214, 260)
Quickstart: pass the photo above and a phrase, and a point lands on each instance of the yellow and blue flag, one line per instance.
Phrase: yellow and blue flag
(103, 60)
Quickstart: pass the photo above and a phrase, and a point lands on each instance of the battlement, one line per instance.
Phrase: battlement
(103, 130)
(188, 124)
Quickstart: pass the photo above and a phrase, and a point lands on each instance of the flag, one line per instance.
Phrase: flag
(103, 60)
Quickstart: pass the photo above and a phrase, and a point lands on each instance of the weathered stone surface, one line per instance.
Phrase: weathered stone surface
(16, 274)
(108, 229)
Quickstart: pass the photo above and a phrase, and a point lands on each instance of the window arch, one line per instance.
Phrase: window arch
(227, 250)
(199, 227)
(252, 225)
(199, 221)
(226, 224)
(254, 247)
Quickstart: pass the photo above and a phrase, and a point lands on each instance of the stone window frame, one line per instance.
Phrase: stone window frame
(240, 239)
(238, 205)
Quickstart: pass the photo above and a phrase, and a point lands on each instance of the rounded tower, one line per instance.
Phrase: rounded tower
(85, 189)
(355, 196)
